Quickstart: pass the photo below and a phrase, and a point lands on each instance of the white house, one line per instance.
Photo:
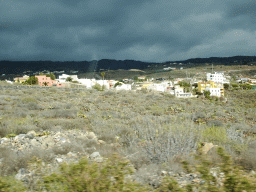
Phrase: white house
(157, 87)
(167, 83)
(214, 91)
(112, 83)
(141, 77)
(63, 77)
(88, 82)
(103, 82)
(74, 77)
(8, 81)
(167, 68)
(216, 77)
(124, 87)
(242, 79)
(179, 92)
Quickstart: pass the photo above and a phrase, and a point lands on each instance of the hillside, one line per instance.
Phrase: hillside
(155, 132)
(17, 67)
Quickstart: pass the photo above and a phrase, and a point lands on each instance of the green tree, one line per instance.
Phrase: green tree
(45, 83)
(69, 79)
(234, 85)
(183, 84)
(246, 86)
(102, 75)
(195, 91)
(226, 85)
(207, 94)
(195, 85)
(118, 83)
(32, 80)
(136, 78)
(249, 86)
(51, 75)
(24, 83)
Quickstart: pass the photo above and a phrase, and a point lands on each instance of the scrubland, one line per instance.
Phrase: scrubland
(149, 129)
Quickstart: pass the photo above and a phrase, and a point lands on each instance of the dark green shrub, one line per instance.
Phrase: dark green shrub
(69, 79)
(226, 85)
(234, 85)
(207, 94)
(118, 83)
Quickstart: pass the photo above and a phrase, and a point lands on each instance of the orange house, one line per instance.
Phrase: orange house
(42, 79)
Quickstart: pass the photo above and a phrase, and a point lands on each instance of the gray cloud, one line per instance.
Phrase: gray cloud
(145, 30)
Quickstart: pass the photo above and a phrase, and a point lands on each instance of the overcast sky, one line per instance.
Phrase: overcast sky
(144, 30)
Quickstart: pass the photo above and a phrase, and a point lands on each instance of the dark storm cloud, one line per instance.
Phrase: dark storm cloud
(146, 30)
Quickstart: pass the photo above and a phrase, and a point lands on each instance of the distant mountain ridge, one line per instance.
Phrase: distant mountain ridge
(14, 67)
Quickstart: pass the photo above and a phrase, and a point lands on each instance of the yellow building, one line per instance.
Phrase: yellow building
(210, 84)
(146, 84)
(21, 79)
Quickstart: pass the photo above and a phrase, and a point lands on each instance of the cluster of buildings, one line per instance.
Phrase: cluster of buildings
(246, 80)
(214, 84)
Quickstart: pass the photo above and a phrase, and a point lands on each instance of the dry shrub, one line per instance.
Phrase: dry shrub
(247, 159)
(49, 124)
(58, 113)
(146, 173)
(108, 137)
(109, 93)
(13, 161)
(216, 123)
(33, 106)
(108, 150)
(198, 115)
(23, 129)
(3, 130)
(214, 157)
(63, 149)
(29, 99)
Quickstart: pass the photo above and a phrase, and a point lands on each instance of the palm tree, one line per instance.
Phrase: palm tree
(102, 75)
(45, 83)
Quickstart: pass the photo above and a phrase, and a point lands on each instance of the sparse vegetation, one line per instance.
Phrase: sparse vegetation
(161, 130)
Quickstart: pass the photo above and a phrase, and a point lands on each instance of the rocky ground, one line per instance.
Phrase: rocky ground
(46, 141)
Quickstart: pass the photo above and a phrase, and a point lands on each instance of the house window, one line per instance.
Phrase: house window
(43, 78)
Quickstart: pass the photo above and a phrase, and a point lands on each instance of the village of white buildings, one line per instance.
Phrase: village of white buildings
(192, 87)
